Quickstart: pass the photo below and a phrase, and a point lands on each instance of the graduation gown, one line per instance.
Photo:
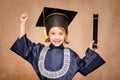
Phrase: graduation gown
(54, 59)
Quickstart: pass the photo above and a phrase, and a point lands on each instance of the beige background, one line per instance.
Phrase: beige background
(13, 67)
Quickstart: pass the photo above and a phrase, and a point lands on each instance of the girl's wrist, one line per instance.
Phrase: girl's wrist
(23, 23)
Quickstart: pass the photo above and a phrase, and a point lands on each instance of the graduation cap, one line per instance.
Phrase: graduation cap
(54, 17)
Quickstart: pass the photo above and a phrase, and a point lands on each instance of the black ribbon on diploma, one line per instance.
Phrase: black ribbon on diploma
(95, 30)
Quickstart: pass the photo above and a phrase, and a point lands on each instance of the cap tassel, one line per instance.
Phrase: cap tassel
(45, 34)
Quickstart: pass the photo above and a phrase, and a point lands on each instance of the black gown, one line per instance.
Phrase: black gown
(54, 59)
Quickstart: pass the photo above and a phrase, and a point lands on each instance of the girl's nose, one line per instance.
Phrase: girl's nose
(57, 37)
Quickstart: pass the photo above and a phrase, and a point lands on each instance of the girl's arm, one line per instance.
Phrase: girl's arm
(23, 19)
(91, 61)
(23, 46)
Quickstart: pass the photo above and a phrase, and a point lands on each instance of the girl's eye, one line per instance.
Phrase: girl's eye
(61, 33)
(53, 33)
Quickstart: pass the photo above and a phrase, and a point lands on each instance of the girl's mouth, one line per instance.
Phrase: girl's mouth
(57, 41)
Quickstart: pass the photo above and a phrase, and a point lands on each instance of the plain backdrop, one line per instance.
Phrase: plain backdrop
(13, 67)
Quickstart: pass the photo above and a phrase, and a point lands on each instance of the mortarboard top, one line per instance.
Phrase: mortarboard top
(51, 17)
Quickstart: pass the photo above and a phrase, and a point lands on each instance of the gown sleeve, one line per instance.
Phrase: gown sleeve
(90, 62)
(24, 47)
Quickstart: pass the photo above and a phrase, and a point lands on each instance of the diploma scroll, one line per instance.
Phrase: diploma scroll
(95, 30)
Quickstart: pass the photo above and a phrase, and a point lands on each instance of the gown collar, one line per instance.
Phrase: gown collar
(52, 46)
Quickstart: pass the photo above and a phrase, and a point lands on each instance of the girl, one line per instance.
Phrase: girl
(55, 62)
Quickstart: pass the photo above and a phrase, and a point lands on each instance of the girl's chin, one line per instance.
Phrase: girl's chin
(57, 44)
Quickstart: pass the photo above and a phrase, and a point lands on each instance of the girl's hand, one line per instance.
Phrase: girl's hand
(91, 46)
(24, 17)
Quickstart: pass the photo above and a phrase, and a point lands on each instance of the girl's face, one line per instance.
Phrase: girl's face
(57, 35)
